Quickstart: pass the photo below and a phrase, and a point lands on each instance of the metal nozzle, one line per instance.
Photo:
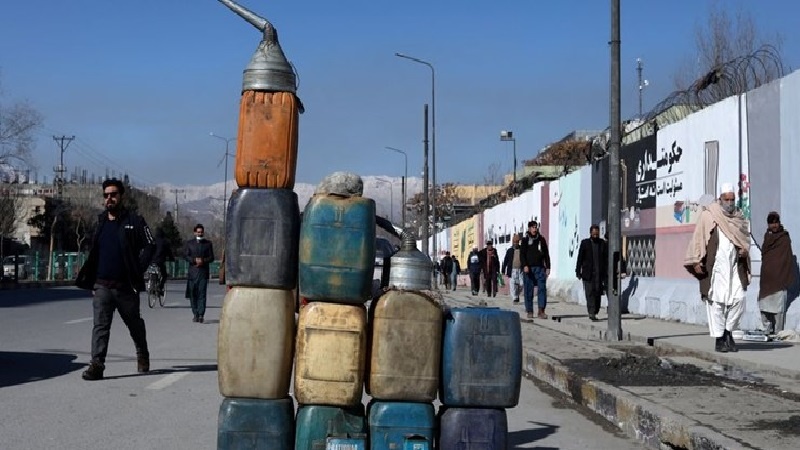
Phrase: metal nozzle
(268, 70)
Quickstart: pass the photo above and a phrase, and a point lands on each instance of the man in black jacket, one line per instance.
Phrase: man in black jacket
(199, 254)
(490, 265)
(122, 248)
(474, 269)
(535, 258)
(592, 268)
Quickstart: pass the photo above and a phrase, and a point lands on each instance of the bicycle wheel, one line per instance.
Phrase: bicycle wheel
(151, 297)
(162, 297)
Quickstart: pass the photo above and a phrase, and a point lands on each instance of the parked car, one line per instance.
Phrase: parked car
(23, 267)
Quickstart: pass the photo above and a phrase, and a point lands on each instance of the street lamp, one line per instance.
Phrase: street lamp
(509, 136)
(433, 140)
(225, 185)
(405, 180)
(391, 197)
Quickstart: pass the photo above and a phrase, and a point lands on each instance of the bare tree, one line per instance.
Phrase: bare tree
(18, 122)
(11, 210)
(493, 176)
(724, 39)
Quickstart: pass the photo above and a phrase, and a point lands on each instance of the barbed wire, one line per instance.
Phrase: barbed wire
(733, 77)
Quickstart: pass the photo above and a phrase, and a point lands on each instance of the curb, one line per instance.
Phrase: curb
(666, 347)
(648, 423)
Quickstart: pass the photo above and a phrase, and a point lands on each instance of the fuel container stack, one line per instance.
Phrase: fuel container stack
(404, 356)
(336, 261)
(255, 344)
(481, 375)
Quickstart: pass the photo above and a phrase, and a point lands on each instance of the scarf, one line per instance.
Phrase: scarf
(733, 226)
(777, 263)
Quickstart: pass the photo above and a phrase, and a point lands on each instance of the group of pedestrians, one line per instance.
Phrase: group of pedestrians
(122, 248)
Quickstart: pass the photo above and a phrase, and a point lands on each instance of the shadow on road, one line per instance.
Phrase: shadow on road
(15, 298)
(518, 438)
(173, 369)
(26, 367)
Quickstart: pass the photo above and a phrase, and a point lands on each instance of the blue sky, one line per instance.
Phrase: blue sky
(142, 83)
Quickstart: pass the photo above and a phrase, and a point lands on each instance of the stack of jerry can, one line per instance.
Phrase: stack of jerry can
(404, 356)
(257, 323)
(481, 374)
(336, 263)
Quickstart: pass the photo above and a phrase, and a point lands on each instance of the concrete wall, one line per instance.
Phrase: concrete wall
(666, 177)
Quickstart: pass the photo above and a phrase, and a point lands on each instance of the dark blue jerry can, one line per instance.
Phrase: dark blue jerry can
(250, 424)
(262, 235)
(481, 358)
(483, 428)
(337, 249)
(315, 423)
(394, 425)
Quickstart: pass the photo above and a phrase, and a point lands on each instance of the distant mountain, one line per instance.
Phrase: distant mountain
(205, 202)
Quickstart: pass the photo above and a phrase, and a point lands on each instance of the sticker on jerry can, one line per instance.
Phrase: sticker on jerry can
(334, 443)
(415, 443)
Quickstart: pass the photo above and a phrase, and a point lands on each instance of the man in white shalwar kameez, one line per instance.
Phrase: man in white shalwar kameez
(718, 256)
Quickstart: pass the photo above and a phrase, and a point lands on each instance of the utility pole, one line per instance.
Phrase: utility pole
(63, 143)
(176, 192)
(642, 83)
(425, 202)
(614, 208)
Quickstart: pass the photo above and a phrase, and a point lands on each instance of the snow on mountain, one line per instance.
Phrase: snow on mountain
(205, 201)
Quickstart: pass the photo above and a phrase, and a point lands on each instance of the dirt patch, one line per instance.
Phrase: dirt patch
(788, 426)
(632, 370)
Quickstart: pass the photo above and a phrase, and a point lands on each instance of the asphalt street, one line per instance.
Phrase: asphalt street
(44, 403)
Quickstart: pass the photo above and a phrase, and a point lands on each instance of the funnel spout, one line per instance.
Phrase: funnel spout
(268, 70)
(259, 22)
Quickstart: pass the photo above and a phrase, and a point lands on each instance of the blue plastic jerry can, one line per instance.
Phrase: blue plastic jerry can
(416, 442)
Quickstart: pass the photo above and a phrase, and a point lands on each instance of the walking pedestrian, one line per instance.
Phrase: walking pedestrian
(456, 271)
(490, 266)
(447, 269)
(474, 268)
(122, 248)
(199, 254)
(777, 274)
(591, 267)
(535, 257)
(512, 268)
(718, 256)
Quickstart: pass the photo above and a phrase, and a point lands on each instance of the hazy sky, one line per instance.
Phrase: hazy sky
(142, 83)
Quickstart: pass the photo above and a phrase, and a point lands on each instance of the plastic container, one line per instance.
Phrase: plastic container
(315, 423)
(404, 347)
(263, 230)
(246, 423)
(394, 424)
(255, 343)
(331, 354)
(483, 428)
(266, 148)
(337, 249)
(481, 358)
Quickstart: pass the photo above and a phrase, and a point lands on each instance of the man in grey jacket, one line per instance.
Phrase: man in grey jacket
(199, 254)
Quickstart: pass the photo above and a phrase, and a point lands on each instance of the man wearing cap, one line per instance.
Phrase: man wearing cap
(777, 274)
(718, 256)
(490, 266)
(535, 257)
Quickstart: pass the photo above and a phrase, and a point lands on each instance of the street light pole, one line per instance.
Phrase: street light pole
(614, 208)
(433, 142)
(509, 136)
(225, 185)
(391, 197)
(405, 180)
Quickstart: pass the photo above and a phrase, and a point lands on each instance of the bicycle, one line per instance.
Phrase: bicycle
(152, 282)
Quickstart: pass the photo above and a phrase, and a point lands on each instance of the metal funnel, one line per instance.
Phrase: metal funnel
(268, 70)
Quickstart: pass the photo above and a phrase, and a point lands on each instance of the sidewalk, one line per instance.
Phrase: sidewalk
(663, 384)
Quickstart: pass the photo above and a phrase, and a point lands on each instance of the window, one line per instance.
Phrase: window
(712, 167)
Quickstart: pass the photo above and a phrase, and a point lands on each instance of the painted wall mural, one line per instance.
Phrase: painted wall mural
(566, 246)
(463, 237)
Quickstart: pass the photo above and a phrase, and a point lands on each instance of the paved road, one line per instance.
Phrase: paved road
(44, 344)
